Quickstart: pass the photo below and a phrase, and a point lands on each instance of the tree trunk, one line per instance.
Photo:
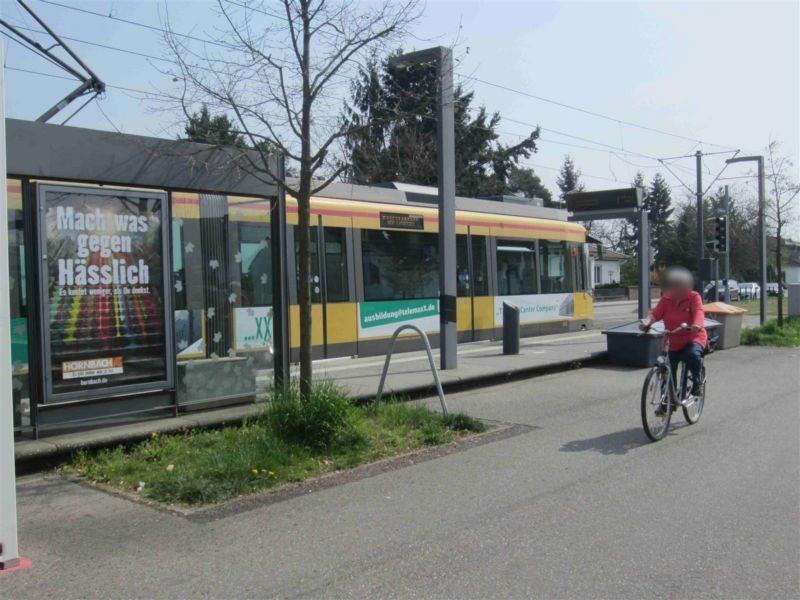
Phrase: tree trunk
(304, 214)
(304, 287)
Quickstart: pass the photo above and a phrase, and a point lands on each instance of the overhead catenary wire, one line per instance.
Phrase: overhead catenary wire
(463, 76)
(165, 96)
(603, 147)
(590, 112)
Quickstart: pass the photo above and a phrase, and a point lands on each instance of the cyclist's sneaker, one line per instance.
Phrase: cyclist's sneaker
(697, 389)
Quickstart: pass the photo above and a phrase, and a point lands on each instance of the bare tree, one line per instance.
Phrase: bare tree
(281, 69)
(783, 192)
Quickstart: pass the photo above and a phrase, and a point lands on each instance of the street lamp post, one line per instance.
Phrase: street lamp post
(762, 229)
(446, 171)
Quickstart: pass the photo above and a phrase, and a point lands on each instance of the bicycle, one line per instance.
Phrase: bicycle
(660, 397)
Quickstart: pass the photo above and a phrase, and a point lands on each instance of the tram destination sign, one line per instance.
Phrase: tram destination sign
(578, 202)
(107, 320)
(402, 221)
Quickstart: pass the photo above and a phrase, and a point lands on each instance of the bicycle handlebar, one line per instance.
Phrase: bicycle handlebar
(682, 327)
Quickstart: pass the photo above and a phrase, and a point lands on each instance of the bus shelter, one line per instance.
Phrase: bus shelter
(143, 272)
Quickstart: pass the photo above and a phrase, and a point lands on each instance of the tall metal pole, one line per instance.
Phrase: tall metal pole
(726, 203)
(9, 554)
(445, 129)
(280, 291)
(701, 242)
(762, 238)
(762, 228)
(643, 258)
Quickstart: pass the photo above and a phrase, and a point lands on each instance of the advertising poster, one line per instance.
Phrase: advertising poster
(536, 308)
(381, 319)
(103, 286)
(252, 328)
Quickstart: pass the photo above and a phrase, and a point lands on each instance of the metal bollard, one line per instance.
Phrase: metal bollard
(794, 299)
(510, 329)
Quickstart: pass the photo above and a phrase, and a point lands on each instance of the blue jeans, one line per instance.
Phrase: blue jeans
(692, 355)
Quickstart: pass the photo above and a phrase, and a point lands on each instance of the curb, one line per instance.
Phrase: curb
(33, 455)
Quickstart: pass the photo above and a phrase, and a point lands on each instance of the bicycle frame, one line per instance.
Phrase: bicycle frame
(665, 364)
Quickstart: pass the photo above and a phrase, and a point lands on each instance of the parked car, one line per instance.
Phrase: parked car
(773, 289)
(749, 291)
(733, 288)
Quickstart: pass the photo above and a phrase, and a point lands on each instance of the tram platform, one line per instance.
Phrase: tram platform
(479, 363)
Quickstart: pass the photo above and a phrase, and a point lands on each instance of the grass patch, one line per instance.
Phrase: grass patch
(770, 334)
(290, 442)
(753, 307)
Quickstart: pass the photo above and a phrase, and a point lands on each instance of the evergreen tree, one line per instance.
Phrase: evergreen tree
(569, 178)
(525, 182)
(391, 120)
(659, 207)
(217, 130)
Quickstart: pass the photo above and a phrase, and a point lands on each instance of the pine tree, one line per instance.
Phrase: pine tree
(217, 130)
(659, 207)
(569, 178)
(391, 118)
(524, 181)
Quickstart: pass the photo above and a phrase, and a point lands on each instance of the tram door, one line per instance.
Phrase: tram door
(333, 312)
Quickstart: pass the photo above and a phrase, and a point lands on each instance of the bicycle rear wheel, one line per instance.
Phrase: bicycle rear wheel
(693, 411)
(656, 406)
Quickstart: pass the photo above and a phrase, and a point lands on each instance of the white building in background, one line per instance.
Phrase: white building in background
(605, 265)
(791, 264)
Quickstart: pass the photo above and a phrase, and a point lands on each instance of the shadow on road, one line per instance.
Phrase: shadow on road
(619, 442)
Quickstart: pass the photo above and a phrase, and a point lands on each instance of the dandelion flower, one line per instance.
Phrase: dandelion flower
(170, 468)
(271, 473)
(254, 471)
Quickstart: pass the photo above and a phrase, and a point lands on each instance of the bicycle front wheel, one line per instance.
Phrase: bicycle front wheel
(692, 411)
(656, 406)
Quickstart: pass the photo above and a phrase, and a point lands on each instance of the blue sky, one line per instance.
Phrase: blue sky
(724, 73)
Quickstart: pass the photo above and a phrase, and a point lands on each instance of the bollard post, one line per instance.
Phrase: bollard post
(510, 329)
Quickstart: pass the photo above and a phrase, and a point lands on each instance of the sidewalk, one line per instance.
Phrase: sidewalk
(409, 374)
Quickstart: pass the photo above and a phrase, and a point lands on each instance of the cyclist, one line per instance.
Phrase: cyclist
(680, 304)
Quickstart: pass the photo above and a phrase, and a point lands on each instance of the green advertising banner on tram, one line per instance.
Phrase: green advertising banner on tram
(381, 319)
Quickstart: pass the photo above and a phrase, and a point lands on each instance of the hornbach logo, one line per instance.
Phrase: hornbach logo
(402, 221)
(375, 314)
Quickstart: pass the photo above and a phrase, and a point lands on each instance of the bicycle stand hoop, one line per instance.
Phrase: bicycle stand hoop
(435, 372)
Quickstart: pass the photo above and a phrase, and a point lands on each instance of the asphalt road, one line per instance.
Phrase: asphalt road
(579, 506)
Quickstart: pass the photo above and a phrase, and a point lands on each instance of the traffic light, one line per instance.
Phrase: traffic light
(721, 233)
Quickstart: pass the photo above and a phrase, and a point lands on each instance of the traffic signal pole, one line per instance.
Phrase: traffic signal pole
(701, 241)
(726, 203)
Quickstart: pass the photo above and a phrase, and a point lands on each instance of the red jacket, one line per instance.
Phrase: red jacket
(687, 310)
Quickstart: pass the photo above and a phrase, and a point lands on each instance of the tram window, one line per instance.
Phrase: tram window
(480, 267)
(464, 285)
(316, 284)
(255, 264)
(399, 265)
(556, 268)
(336, 264)
(516, 267)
